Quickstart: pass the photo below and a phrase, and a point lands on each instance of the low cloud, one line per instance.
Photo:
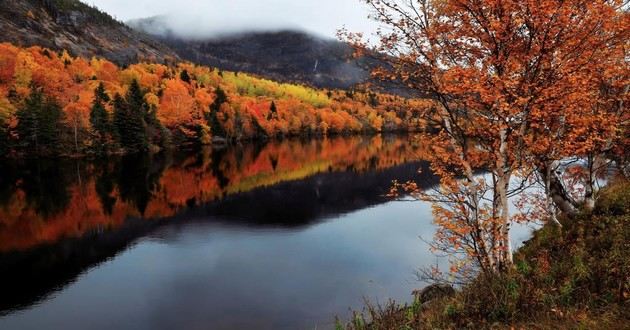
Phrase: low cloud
(204, 19)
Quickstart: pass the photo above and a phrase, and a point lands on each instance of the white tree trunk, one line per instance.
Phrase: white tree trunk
(555, 189)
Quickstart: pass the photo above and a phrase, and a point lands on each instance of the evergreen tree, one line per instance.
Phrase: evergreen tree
(273, 111)
(130, 119)
(184, 76)
(135, 99)
(215, 107)
(259, 130)
(372, 99)
(121, 117)
(100, 121)
(156, 132)
(39, 124)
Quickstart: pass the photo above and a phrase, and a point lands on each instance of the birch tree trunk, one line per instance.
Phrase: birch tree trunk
(501, 189)
(555, 189)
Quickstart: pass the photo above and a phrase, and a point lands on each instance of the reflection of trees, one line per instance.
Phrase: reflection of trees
(137, 179)
(7, 180)
(45, 184)
(44, 201)
(105, 187)
(219, 163)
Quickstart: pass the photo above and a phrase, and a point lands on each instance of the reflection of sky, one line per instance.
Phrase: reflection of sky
(212, 276)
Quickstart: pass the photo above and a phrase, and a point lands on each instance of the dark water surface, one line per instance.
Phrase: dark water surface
(278, 236)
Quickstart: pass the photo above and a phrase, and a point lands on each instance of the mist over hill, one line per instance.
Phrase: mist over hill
(280, 54)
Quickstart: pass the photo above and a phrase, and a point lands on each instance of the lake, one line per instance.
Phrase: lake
(282, 235)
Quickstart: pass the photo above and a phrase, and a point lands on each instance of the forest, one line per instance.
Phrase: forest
(54, 104)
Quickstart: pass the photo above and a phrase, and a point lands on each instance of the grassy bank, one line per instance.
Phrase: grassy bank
(577, 277)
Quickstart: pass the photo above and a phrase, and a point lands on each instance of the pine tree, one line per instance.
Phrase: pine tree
(130, 119)
(273, 111)
(100, 121)
(213, 121)
(39, 124)
(258, 129)
(184, 76)
(51, 124)
(121, 117)
(373, 99)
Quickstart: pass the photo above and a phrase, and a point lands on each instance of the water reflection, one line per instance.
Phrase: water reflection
(44, 201)
(61, 218)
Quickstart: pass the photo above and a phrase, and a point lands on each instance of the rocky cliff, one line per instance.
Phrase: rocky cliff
(80, 29)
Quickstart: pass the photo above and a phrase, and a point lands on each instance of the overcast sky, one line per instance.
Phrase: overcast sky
(207, 17)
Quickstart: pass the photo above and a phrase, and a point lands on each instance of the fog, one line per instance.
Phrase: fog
(209, 18)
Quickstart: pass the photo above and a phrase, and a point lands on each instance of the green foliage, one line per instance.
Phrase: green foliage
(100, 121)
(523, 267)
(39, 124)
(615, 199)
(130, 116)
(584, 265)
(215, 107)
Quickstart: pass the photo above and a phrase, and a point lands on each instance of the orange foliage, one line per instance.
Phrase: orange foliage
(184, 107)
(192, 179)
(520, 85)
(176, 106)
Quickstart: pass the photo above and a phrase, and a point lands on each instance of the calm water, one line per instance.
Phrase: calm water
(278, 236)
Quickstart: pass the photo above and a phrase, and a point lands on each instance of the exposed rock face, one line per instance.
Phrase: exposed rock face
(283, 55)
(291, 56)
(78, 28)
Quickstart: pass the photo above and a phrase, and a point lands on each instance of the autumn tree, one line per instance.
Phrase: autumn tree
(513, 83)
(77, 114)
(179, 104)
(176, 106)
(39, 124)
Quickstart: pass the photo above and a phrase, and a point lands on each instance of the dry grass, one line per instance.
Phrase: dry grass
(577, 277)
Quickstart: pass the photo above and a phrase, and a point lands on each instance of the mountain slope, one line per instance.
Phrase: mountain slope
(80, 29)
(282, 55)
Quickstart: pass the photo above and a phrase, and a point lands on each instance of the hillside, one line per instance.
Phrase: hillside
(292, 56)
(55, 103)
(76, 27)
(574, 277)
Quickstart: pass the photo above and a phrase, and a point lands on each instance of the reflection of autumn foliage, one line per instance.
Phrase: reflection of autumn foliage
(182, 96)
(102, 197)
